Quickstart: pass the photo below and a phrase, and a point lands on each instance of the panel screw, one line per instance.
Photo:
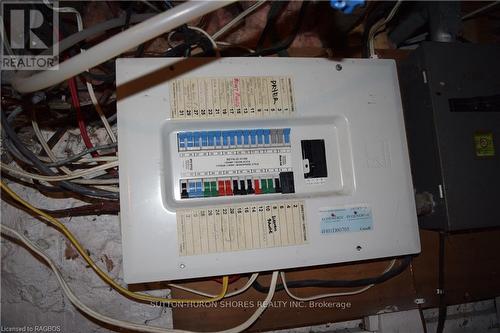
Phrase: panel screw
(338, 67)
(358, 248)
(182, 266)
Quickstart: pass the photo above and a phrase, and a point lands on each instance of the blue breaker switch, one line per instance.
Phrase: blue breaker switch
(204, 139)
(218, 138)
(246, 137)
(239, 135)
(225, 137)
(253, 137)
(211, 139)
(196, 139)
(260, 139)
(190, 139)
(267, 136)
(286, 135)
(232, 138)
(181, 137)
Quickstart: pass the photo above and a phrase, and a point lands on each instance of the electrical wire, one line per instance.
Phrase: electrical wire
(90, 88)
(121, 323)
(75, 101)
(77, 157)
(94, 30)
(480, 10)
(227, 44)
(377, 26)
(204, 33)
(44, 144)
(285, 44)
(85, 160)
(114, 46)
(238, 19)
(11, 134)
(404, 263)
(104, 276)
(343, 293)
(72, 175)
(103, 207)
(247, 285)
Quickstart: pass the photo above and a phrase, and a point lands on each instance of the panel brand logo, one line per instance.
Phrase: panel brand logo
(29, 35)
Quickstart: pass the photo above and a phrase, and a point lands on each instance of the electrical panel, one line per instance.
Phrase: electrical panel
(238, 165)
(451, 95)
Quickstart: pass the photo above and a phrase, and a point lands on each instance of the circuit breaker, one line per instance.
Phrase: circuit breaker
(239, 165)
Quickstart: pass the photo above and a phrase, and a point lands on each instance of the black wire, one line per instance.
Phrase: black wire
(442, 301)
(272, 16)
(42, 167)
(191, 38)
(340, 283)
(285, 44)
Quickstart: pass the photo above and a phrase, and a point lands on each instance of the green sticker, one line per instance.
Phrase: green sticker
(484, 144)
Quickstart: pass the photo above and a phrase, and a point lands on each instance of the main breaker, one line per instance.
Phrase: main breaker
(237, 165)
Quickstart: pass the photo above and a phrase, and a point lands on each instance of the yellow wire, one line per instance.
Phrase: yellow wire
(102, 274)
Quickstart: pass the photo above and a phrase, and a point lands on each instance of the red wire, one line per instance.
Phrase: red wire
(79, 116)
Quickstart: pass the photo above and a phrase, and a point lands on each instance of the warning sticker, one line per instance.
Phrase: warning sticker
(240, 227)
(484, 145)
(246, 96)
(336, 220)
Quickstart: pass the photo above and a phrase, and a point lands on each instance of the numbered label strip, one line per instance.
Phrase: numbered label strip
(230, 97)
(241, 227)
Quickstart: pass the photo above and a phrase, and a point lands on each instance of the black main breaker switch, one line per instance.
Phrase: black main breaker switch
(277, 185)
(236, 190)
(184, 192)
(250, 189)
(243, 191)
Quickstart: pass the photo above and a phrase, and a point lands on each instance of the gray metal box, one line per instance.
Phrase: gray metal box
(451, 99)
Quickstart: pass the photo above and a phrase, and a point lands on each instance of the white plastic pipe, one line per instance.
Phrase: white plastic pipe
(117, 44)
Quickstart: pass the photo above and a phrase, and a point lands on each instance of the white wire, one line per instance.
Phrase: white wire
(233, 45)
(237, 19)
(479, 10)
(97, 159)
(375, 28)
(247, 285)
(344, 293)
(45, 146)
(90, 88)
(121, 323)
(76, 174)
(83, 160)
(116, 45)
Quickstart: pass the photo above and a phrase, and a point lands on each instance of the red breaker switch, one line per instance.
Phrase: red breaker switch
(256, 186)
(222, 190)
(229, 191)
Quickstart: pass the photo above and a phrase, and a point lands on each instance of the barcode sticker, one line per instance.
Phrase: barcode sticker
(241, 227)
(231, 97)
